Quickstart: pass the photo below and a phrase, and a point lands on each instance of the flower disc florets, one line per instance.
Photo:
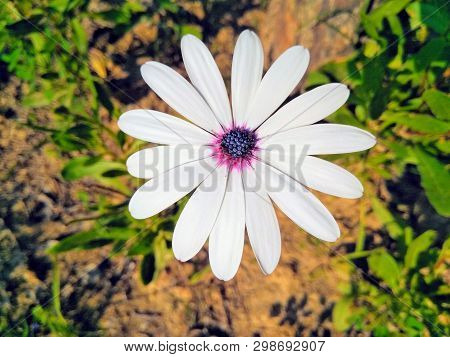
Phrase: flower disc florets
(235, 147)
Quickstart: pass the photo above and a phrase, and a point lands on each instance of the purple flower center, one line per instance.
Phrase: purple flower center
(235, 147)
(238, 142)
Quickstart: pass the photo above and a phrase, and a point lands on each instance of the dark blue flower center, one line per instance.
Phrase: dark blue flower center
(238, 142)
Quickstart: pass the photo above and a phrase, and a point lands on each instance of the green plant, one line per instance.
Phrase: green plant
(404, 292)
(67, 88)
(399, 80)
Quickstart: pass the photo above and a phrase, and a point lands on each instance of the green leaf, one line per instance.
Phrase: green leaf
(316, 78)
(143, 245)
(59, 5)
(89, 166)
(414, 325)
(24, 26)
(36, 100)
(438, 102)
(79, 36)
(418, 122)
(38, 40)
(391, 224)
(443, 145)
(371, 48)
(388, 8)
(84, 240)
(417, 246)
(342, 313)
(432, 15)
(381, 331)
(188, 29)
(429, 53)
(345, 116)
(435, 179)
(199, 275)
(57, 325)
(163, 254)
(445, 251)
(373, 74)
(379, 102)
(384, 267)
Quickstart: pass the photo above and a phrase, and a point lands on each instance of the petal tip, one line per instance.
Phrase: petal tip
(120, 122)
(178, 256)
(136, 214)
(189, 36)
(372, 142)
(224, 275)
(333, 237)
(268, 270)
(124, 120)
(248, 32)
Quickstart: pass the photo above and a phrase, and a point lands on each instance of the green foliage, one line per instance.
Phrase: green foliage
(47, 45)
(55, 324)
(417, 247)
(435, 179)
(384, 267)
(50, 46)
(399, 87)
(438, 102)
(399, 83)
(402, 294)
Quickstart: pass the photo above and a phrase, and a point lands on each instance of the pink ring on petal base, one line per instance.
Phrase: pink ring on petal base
(236, 147)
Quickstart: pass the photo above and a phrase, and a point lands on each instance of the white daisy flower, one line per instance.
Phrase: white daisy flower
(240, 158)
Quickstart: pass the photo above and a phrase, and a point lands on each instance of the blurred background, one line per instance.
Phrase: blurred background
(73, 261)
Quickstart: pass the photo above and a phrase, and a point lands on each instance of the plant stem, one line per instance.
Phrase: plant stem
(56, 287)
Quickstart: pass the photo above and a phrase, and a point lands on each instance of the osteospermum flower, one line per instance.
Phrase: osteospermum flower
(240, 158)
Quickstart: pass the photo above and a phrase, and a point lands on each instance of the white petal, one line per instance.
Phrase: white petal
(198, 216)
(152, 162)
(226, 241)
(262, 225)
(167, 188)
(179, 94)
(161, 128)
(300, 205)
(315, 173)
(246, 73)
(321, 139)
(206, 77)
(279, 81)
(307, 108)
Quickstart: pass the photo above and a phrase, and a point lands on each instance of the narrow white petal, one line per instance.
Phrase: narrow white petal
(307, 108)
(179, 94)
(198, 216)
(167, 188)
(152, 162)
(279, 81)
(315, 173)
(321, 139)
(206, 77)
(246, 73)
(226, 241)
(262, 224)
(161, 128)
(300, 205)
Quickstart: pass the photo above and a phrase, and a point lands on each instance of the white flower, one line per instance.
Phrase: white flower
(239, 160)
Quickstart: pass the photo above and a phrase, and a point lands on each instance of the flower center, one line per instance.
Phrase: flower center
(238, 142)
(235, 147)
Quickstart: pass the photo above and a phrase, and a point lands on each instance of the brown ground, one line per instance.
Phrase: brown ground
(104, 293)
